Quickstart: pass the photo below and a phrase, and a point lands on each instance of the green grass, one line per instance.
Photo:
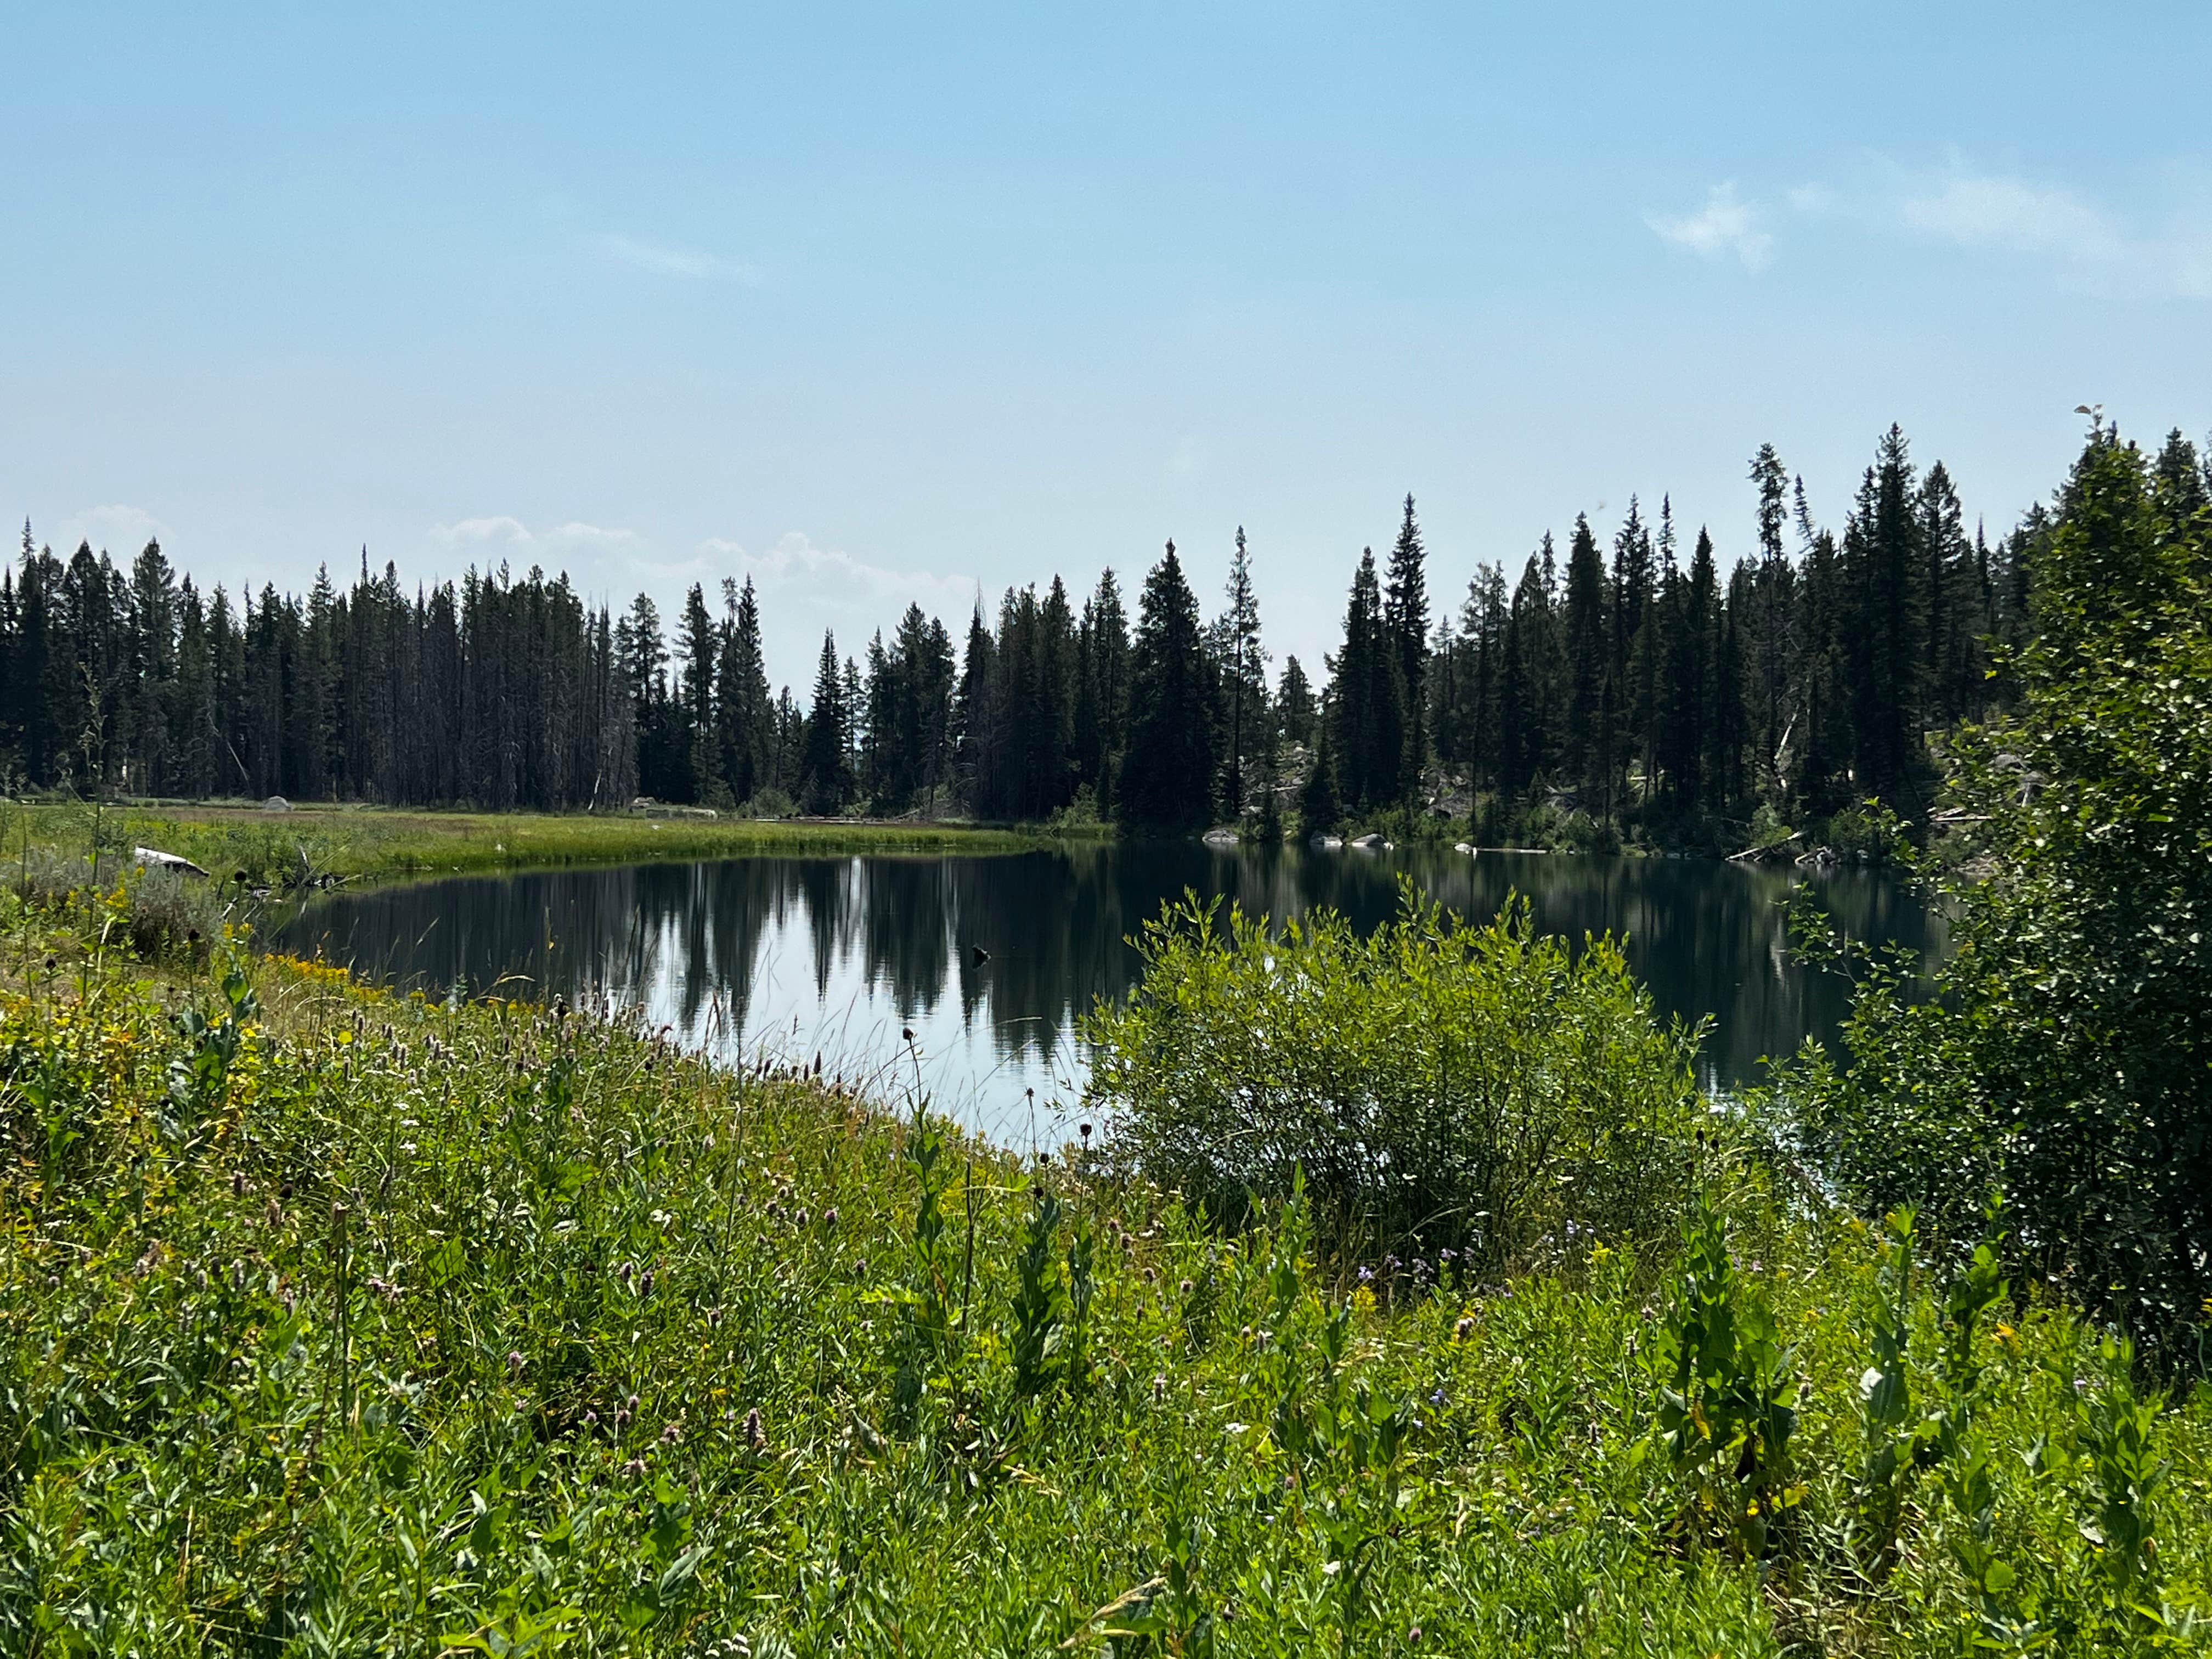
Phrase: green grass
(335, 1322)
(373, 843)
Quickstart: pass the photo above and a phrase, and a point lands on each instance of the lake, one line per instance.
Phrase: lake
(989, 960)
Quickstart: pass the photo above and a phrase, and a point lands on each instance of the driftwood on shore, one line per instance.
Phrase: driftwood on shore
(153, 858)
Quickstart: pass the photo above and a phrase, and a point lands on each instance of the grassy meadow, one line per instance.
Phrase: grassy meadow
(378, 843)
(338, 1322)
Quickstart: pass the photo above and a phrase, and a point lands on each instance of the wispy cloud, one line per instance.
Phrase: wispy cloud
(1978, 209)
(115, 528)
(1726, 226)
(2086, 244)
(796, 563)
(511, 536)
(665, 259)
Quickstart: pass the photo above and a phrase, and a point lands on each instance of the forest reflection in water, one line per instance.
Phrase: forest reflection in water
(990, 960)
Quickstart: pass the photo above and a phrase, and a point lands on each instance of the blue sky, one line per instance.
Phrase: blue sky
(880, 303)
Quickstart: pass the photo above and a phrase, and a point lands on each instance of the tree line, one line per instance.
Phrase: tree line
(1617, 684)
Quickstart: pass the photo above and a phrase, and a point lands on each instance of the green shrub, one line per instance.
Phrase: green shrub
(2067, 1056)
(1441, 1085)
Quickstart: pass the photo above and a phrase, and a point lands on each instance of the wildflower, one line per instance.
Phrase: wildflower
(1186, 1287)
(829, 1216)
(1436, 1399)
(1367, 1275)
(1159, 1389)
(1389, 1264)
(1447, 1254)
(1084, 1129)
(672, 1435)
(514, 1361)
(861, 1268)
(1414, 1636)
(635, 1466)
(238, 1183)
(645, 1285)
(1464, 1330)
(591, 1419)
(756, 1437)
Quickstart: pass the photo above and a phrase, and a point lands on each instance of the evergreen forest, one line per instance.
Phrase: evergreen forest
(1638, 682)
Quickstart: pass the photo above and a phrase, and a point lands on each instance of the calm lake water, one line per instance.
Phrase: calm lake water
(990, 960)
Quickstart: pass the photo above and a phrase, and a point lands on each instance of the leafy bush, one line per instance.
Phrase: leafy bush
(2067, 1056)
(1483, 1089)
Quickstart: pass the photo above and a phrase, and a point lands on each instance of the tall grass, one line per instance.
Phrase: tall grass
(285, 849)
(338, 1322)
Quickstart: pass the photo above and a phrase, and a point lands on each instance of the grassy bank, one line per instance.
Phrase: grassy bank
(370, 843)
(336, 1323)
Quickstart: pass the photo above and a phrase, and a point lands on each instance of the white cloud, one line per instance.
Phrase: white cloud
(795, 563)
(1724, 226)
(1991, 210)
(116, 528)
(2086, 243)
(507, 538)
(471, 532)
(663, 260)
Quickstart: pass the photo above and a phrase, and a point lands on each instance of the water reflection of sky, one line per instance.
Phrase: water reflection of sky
(990, 961)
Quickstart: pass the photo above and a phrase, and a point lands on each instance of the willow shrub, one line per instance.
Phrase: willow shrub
(1443, 1085)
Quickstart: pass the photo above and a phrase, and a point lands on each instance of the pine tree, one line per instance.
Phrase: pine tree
(1587, 755)
(1366, 698)
(695, 646)
(1405, 618)
(1294, 704)
(1886, 566)
(1245, 682)
(822, 769)
(1167, 777)
(1103, 691)
(741, 698)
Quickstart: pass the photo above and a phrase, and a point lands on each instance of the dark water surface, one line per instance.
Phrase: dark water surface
(836, 955)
